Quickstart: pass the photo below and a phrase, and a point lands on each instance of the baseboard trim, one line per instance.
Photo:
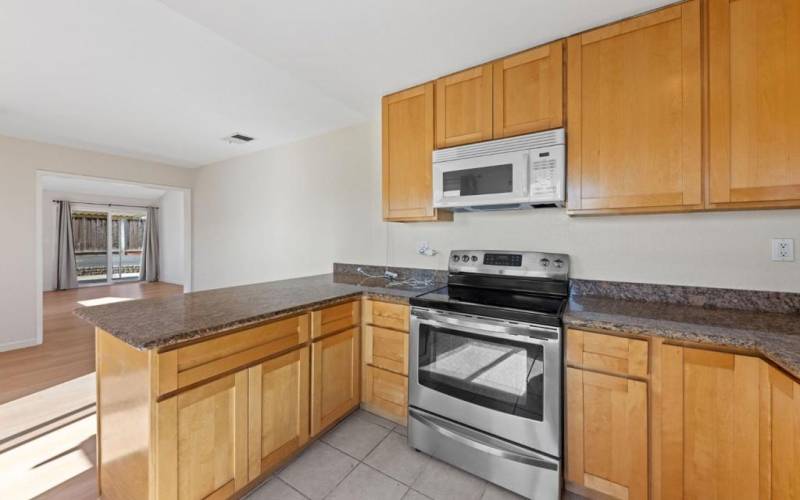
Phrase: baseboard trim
(18, 344)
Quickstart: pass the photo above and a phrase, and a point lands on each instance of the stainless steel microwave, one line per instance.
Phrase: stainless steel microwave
(518, 172)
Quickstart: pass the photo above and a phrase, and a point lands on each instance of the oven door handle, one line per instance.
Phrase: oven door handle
(490, 328)
(451, 431)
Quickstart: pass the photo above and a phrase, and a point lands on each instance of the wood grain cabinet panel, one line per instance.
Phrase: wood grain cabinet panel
(334, 378)
(528, 91)
(464, 107)
(202, 440)
(278, 410)
(709, 425)
(754, 103)
(780, 434)
(387, 349)
(607, 434)
(335, 318)
(386, 394)
(635, 115)
(407, 146)
(387, 315)
(607, 353)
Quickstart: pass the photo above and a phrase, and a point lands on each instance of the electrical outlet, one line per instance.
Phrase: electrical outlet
(783, 249)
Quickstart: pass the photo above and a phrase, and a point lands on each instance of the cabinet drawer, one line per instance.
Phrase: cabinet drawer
(386, 393)
(335, 318)
(608, 353)
(196, 362)
(386, 314)
(387, 349)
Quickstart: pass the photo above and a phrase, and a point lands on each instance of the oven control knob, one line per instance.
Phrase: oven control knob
(456, 258)
(544, 262)
(474, 258)
(465, 258)
(558, 263)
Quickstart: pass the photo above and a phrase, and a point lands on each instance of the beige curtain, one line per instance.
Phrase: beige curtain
(150, 250)
(66, 270)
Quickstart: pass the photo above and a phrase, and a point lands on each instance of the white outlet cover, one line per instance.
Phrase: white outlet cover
(783, 249)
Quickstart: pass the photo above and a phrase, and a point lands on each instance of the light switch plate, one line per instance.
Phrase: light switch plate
(783, 249)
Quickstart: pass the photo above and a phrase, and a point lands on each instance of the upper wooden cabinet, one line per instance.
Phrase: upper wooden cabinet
(528, 91)
(754, 103)
(634, 114)
(407, 156)
(464, 107)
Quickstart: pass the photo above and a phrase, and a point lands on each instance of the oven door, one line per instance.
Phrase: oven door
(484, 180)
(498, 377)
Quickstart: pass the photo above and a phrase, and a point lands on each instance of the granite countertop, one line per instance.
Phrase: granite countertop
(775, 336)
(165, 321)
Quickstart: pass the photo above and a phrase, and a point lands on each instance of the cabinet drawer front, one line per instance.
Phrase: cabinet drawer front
(335, 318)
(608, 353)
(387, 315)
(194, 363)
(387, 349)
(386, 393)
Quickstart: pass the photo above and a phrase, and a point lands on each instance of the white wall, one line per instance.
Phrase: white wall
(172, 231)
(19, 162)
(289, 211)
(294, 210)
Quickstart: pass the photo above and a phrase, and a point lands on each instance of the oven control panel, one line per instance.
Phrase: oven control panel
(527, 264)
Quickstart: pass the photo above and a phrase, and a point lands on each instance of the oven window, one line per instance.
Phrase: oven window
(502, 375)
(478, 181)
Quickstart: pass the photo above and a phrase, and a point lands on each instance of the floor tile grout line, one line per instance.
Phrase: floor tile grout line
(293, 488)
(401, 483)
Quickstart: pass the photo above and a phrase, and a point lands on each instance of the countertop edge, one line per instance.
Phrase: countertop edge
(730, 338)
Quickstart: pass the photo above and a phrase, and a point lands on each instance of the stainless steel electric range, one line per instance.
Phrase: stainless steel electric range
(486, 374)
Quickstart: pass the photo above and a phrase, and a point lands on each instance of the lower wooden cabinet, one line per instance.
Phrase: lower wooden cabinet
(607, 447)
(201, 440)
(334, 378)
(780, 430)
(386, 394)
(709, 411)
(278, 410)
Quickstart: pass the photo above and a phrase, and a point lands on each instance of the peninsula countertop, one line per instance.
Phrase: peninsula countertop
(773, 336)
(160, 322)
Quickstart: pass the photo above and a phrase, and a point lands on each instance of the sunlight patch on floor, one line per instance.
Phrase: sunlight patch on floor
(103, 300)
(38, 465)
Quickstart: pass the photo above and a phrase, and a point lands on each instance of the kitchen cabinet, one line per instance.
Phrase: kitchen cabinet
(335, 376)
(464, 107)
(780, 434)
(634, 114)
(709, 424)
(202, 440)
(407, 148)
(384, 382)
(606, 415)
(278, 410)
(754, 103)
(528, 91)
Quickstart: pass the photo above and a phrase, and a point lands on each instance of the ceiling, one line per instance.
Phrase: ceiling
(119, 190)
(167, 80)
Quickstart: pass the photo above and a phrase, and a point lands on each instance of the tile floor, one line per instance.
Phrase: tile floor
(366, 457)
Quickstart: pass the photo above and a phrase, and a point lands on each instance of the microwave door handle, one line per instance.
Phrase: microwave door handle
(526, 182)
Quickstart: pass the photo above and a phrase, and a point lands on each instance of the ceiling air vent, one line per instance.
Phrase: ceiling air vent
(238, 139)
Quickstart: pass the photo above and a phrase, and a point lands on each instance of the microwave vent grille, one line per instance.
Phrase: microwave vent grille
(521, 143)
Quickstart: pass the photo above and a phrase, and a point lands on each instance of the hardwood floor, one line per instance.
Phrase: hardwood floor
(47, 398)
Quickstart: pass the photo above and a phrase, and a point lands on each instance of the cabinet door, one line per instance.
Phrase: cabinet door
(201, 441)
(279, 409)
(607, 434)
(407, 156)
(754, 102)
(528, 91)
(634, 114)
(334, 378)
(780, 431)
(386, 394)
(709, 425)
(464, 107)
